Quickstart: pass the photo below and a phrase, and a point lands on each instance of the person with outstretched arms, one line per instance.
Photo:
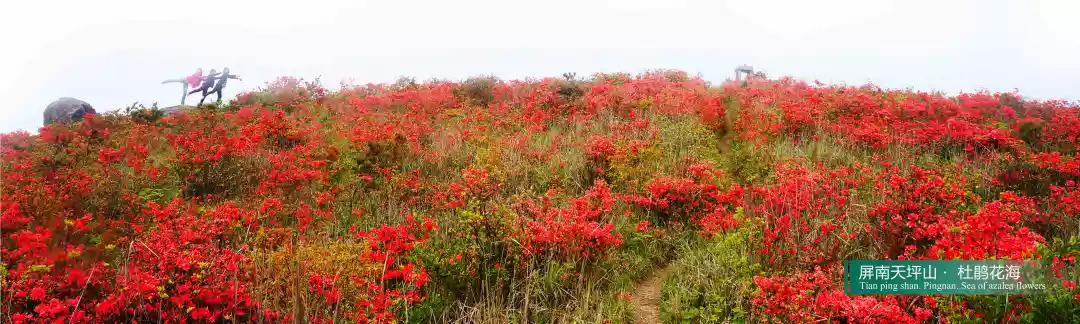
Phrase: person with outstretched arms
(204, 85)
(220, 84)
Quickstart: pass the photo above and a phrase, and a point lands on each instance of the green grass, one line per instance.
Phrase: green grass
(711, 281)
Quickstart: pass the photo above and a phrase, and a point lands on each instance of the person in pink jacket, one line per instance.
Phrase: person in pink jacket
(193, 81)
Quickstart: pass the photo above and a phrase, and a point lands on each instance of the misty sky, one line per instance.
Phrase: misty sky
(113, 53)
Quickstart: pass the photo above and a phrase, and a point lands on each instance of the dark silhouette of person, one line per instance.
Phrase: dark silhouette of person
(206, 85)
(219, 84)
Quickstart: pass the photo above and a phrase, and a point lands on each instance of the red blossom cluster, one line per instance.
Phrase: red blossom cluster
(803, 215)
(696, 198)
(877, 118)
(175, 270)
(401, 282)
(579, 230)
(816, 296)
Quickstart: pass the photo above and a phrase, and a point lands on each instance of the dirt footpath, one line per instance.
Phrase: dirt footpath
(646, 299)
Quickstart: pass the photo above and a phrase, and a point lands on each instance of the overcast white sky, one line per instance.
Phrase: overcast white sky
(112, 53)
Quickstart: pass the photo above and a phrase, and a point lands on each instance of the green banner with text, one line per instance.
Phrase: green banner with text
(942, 277)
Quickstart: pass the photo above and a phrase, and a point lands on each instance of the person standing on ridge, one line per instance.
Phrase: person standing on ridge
(192, 81)
(202, 83)
(220, 85)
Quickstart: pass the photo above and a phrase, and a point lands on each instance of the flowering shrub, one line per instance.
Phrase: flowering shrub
(696, 198)
(995, 231)
(576, 231)
(400, 282)
(294, 203)
(803, 215)
(816, 295)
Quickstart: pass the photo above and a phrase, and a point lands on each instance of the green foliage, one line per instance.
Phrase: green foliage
(748, 164)
(625, 170)
(144, 115)
(1031, 130)
(711, 282)
(1059, 304)
(682, 137)
(615, 78)
(477, 90)
(470, 256)
(404, 83)
(158, 195)
(222, 179)
(570, 88)
(1058, 307)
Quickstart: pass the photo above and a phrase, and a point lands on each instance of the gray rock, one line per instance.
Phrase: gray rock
(67, 110)
(172, 109)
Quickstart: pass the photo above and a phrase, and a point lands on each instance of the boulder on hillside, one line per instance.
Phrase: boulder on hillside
(174, 109)
(67, 110)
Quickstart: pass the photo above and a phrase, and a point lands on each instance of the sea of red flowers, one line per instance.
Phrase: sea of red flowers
(386, 203)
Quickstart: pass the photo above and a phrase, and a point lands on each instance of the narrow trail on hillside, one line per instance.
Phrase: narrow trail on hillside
(646, 298)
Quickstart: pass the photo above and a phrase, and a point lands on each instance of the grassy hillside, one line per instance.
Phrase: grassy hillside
(537, 201)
